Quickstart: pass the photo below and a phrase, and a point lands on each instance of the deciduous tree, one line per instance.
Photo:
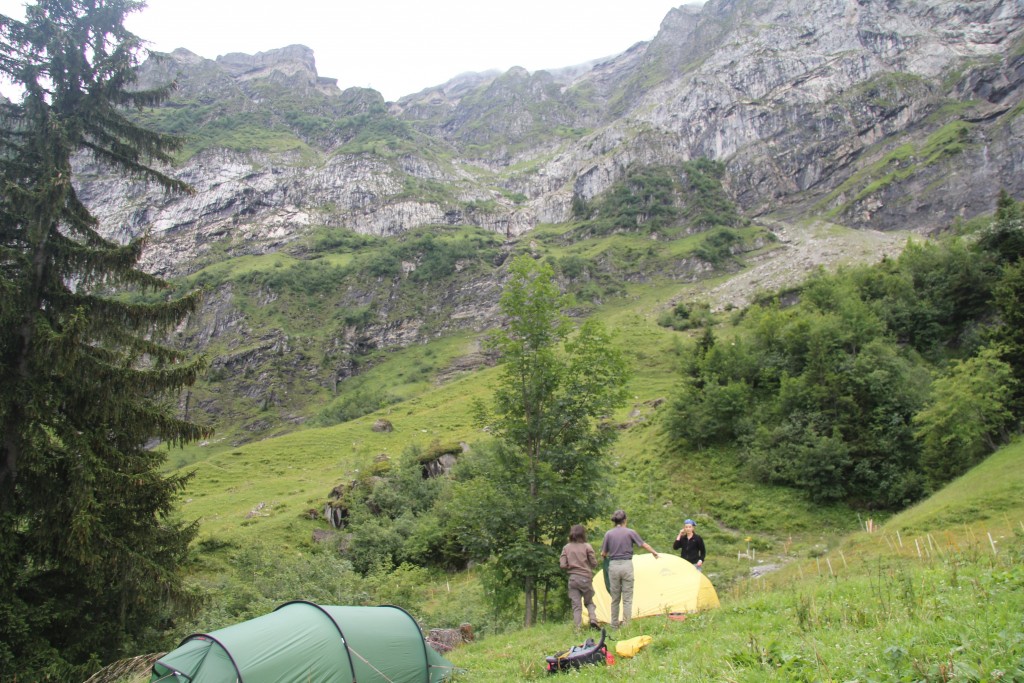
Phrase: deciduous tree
(549, 416)
(967, 417)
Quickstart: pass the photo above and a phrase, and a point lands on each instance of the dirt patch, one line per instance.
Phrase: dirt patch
(801, 250)
(762, 569)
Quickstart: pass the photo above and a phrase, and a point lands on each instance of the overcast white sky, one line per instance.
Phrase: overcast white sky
(399, 47)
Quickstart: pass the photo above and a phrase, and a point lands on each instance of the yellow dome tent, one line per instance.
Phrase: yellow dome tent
(660, 586)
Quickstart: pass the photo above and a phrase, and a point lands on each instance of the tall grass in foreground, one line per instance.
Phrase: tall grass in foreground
(896, 618)
(954, 617)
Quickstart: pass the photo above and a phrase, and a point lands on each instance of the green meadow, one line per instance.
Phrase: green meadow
(808, 594)
(810, 591)
(935, 593)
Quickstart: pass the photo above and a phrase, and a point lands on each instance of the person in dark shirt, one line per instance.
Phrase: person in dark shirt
(690, 545)
(617, 547)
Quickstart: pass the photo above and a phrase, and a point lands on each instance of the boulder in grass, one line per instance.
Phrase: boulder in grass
(445, 639)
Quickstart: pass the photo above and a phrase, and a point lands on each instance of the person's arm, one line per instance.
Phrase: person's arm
(679, 541)
(701, 553)
(591, 558)
(649, 549)
(563, 560)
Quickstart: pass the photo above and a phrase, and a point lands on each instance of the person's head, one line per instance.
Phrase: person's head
(578, 534)
(619, 517)
(689, 525)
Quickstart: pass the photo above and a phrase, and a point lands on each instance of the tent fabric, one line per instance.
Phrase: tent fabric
(660, 586)
(302, 642)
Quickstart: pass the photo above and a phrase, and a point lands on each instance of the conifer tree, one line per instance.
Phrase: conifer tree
(89, 547)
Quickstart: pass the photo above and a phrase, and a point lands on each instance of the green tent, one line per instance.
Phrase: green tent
(302, 642)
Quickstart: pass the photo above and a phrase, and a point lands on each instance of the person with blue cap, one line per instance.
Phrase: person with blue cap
(690, 545)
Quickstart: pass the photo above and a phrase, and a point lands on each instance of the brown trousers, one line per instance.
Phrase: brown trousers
(581, 591)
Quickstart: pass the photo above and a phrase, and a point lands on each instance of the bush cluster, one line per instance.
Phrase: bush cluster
(880, 383)
(392, 517)
(684, 316)
(435, 254)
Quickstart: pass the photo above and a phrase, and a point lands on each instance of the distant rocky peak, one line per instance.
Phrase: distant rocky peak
(515, 73)
(184, 56)
(683, 16)
(355, 101)
(239, 63)
(294, 64)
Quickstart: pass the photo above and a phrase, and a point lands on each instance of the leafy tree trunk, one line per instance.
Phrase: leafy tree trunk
(529, 593)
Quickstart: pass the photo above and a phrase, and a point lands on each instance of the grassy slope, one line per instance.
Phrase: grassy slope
(865, 610)
(289, 475)
(842, 608)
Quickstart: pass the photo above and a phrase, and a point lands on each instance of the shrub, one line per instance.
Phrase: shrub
(707, 204)
(354, 404)
(717, 246)
(967, 417)
(684, 316)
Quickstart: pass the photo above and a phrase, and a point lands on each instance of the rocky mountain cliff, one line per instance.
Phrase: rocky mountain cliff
(874, 114)
(884, 114)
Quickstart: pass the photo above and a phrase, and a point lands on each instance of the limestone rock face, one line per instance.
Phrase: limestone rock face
(288, 63)
(252, 203)
(807, 104)
(798, 101)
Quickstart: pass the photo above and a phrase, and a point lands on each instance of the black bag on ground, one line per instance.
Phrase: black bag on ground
(578, 655)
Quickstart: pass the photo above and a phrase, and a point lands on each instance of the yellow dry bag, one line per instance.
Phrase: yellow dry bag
(628, 648)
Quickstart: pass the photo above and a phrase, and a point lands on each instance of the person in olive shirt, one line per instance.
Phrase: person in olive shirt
(690, 545)
(617, 547)
(579, 560)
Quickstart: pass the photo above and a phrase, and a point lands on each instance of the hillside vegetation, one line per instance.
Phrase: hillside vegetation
(261, 504)
(934, 594)
(295, 336)
(782, 416)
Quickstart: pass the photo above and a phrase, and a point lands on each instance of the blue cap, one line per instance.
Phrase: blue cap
(690, 521)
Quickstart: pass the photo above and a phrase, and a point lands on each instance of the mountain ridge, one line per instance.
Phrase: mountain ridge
(796, 113)
(869, 115)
